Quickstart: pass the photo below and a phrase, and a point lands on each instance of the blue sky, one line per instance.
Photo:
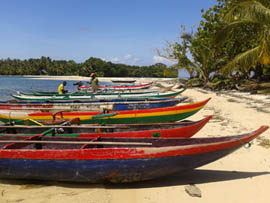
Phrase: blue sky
(121, 31)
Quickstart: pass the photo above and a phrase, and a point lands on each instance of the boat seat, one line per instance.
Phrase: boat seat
(54, 122)
(15, 145)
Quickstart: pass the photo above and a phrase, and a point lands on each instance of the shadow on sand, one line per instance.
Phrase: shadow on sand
(193, 177)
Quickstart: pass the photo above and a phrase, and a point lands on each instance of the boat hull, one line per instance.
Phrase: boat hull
(119, 87)
(100, 171)
(114, 164)
(159, 115)
(95, 106)
(173, 130)
(96, 96)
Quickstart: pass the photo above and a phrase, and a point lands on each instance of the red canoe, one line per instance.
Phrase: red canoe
(119, 87)
(110, 159)
(184, 129)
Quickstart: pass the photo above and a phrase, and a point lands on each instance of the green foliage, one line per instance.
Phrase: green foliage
(249, 22)
(45, 65)
(224, 49)
(233, 35)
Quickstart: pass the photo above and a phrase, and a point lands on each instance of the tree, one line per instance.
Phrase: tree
(253, 18)
(199, 64)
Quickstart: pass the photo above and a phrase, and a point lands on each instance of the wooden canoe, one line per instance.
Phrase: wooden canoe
(117, 160)
(91, 96)
(86, 93)
(118, 100)
(158, 115)
(163, 130)
(93, 106)
(119, 87)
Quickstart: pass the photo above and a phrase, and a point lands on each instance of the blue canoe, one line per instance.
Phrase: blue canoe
(110, 159)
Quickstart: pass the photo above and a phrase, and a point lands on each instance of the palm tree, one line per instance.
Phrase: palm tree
(254, 15)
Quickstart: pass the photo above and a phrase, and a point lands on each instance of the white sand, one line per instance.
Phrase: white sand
(242, 177)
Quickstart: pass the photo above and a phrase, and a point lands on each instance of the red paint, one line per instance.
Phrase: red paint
(25, 106)
(183, 132)
(129, 153)
(119, 87)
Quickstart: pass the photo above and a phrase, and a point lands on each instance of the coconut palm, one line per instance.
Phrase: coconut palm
(255, 16)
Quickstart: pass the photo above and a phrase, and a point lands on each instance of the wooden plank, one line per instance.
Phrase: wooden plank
(73, 142)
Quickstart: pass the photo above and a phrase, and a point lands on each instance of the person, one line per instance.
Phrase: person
(94, 82)
(61, 89)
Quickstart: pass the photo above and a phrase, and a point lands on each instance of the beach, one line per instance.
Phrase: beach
(242, 176)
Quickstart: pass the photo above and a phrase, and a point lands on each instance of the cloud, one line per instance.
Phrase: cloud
(131, 60)
(127, 57)
(115, 60)
(159, 59)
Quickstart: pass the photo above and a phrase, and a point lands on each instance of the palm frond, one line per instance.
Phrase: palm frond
(249, 10)
(243, 61)
(264, 57)
(226, 30)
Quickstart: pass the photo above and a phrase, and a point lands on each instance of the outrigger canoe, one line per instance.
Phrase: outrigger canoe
(158, 115)
(81, 93)
(114, 105)
(90, 96)
(163, 130)
(119, 87)
(117, 160)
(14, 101)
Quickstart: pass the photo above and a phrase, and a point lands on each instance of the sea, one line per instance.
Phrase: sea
(10, 84)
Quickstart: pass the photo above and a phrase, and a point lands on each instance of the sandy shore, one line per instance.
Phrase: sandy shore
(240, 177)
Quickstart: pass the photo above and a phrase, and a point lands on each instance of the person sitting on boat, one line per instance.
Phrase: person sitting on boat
(94, 82)
(61, 89)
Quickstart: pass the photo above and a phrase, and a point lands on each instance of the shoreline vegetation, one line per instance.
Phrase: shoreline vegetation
(48, 66)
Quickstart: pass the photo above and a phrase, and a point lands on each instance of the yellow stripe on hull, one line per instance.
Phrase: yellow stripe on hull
(87, 117)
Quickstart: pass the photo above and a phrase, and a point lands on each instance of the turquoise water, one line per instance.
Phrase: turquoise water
(9, 85)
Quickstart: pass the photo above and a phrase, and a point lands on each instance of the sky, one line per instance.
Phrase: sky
(120, 31)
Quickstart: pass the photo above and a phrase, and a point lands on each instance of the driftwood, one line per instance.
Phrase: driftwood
(264, 85)
(246, 88)
(265, 91)
(259, 88)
